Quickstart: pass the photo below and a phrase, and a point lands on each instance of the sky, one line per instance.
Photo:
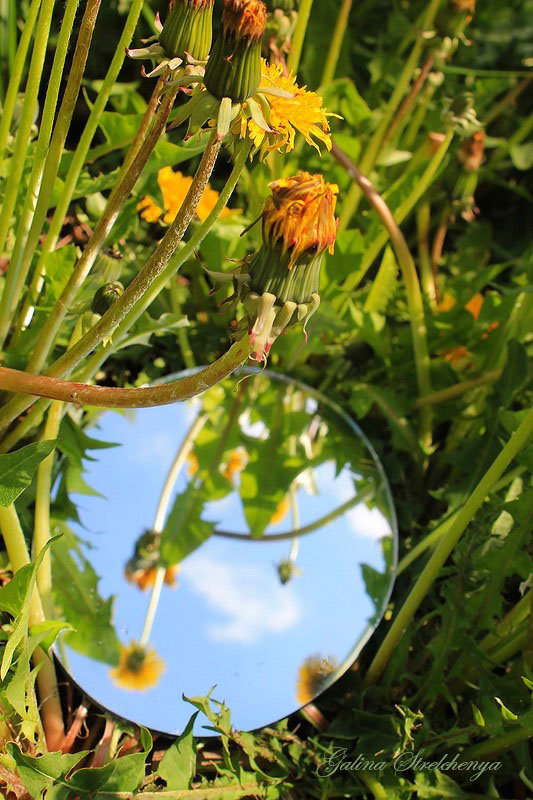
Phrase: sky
(230, 623)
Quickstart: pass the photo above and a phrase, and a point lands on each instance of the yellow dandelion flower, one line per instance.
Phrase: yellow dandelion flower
(138, 669)
(174, 187)
(312, 675)
(280, 512)
(236, 461)
(301, 111)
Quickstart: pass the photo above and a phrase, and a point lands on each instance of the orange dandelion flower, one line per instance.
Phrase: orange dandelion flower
(139, 668)
(145, 579)
(301, 213)
(280, 512)
(192, 461)
(236, 461)
(312, 677)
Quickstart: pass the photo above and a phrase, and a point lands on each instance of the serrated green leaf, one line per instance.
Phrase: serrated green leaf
(384, 284)
(17, 469)
(184, 529)
(178, 765)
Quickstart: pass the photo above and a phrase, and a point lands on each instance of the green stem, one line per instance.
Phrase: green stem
(412, 287)
(118, 197)
(423, 217)
(51, 714)
(426, 179)
(109, 397)
(451, 392)
(89, 130)
(63, 366)
(34, 215)
(15, 280)
(371, 154)
(160, 514)
(336, 43)
(518, 613)
(26, 120)
(496, 745)
(431, 571)
(304, 10)
(313, 526)
(8, 108)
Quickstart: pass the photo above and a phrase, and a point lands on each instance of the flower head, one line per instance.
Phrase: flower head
(244, 19)
(312, 676)
(300, 214)
(145, 578)
(236, 462)
(287, 108)
(139, 668)
(174, 187)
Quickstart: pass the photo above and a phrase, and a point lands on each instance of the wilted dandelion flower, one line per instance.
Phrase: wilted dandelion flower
(235, 463)
(139, 668)
(280, 512)
(145, 578)
(312, 676)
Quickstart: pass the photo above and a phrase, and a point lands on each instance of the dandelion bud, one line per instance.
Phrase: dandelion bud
(471, 152)
(234, 66)
(298, 226)
(455, 16)
(105, 296)
(188, 29)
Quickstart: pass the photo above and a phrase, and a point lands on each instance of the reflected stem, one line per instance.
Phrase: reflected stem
(366, 494)
(159, 520)
(295, 514)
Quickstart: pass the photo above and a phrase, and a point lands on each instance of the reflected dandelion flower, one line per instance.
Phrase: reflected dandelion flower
(139, 668)
(312, 677)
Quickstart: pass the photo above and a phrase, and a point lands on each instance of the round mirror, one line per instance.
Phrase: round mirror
(244, 540)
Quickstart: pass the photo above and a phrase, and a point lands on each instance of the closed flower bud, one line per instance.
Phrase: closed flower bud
(298, 226)
(105, 296)
(188, 29)
(234, 66)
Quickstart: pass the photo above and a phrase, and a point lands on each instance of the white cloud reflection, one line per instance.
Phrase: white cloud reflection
(250, 598)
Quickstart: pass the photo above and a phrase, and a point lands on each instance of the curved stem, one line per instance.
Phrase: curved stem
(16, 76)
(295, 514)
(313, 526)
(22, 140)
(407, 205)
(414, 295)
(451, 392)
(304, 10)
(71, 358)
(118, 197)
(109, 397)
(159, 520)
(27, 240)
(518, 440)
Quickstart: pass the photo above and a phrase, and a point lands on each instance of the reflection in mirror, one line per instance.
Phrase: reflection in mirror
(244, 540)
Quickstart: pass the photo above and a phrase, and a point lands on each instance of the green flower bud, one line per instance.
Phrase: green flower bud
(105, 296)
(188, 29)
(234, 66)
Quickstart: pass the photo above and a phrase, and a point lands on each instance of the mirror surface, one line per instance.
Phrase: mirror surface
(182, 572)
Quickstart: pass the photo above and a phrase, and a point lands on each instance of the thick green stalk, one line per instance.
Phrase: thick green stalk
(50, 709)
(8, 108)
(430, 573)
(371, 154)
(304, 10)
(451, 392)
(110, 397)
(89, 130)
(336, 43)
(29, 107)
(118, 197)
(14, 279)
(72, 357)
(426, 179)
(485, 751)
(34, 214)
